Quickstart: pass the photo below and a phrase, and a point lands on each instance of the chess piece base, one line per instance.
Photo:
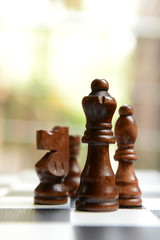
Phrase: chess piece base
(50, 201)
(127, 185)
(94, 207)
(49, 193)
(132, 202)
(72, 194)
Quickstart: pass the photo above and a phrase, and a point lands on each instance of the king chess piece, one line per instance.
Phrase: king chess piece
(97, 191)
(53, 167)
(73, 178)
(126, 180)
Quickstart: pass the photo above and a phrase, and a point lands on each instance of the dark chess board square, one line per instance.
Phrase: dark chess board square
(34, 215)
(119, 233)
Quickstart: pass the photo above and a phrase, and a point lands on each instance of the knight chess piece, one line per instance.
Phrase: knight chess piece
(97, 190)
(126, 180)
(53, 167)
(73, 178)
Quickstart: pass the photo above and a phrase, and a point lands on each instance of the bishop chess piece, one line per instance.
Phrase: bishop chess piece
(73, 178)
(97, 190)
(126, 180)
(53, 167)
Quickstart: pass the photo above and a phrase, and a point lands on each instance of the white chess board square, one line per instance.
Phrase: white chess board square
(122, 217)
(151, 203)
(37, 231)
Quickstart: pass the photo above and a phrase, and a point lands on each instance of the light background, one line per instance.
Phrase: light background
(51, 50)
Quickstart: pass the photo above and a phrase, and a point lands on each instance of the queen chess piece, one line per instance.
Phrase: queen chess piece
(97, 190)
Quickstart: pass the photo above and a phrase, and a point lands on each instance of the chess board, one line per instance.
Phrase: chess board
(21, 219)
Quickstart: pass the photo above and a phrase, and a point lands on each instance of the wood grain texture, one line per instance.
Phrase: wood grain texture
(126, 180)
(72, 180)
(97, 190)
(53, 167)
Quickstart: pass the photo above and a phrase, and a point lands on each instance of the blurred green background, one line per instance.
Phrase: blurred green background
(51, 50)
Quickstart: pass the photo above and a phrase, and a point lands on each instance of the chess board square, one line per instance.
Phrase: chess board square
(151, 203)
(34, 215)
(122, 217)
(36, 230)
(28, 202)
(119, 233)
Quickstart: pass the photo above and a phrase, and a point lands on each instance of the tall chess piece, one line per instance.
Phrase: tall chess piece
(53, 167)
(97, 190)
(126, 181)
(73, 178)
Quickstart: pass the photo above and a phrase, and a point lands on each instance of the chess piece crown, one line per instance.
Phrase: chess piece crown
(99, 108)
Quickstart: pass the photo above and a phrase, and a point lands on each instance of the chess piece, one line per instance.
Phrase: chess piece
(73, 178)
(53, 167)
(97, 190)
(126, 181)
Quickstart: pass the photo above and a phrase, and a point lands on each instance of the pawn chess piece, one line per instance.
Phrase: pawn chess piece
(97, 190)
(73, 178)
(126, 181)
(53, 167)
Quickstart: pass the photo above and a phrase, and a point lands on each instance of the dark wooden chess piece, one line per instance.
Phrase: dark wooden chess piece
(73, 178)
(126, 181)
(53, 167)
(97, 190)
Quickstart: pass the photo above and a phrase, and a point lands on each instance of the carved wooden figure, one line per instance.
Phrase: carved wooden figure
(53, 167)
(73, 178)
(97, 190)
(126, 181)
